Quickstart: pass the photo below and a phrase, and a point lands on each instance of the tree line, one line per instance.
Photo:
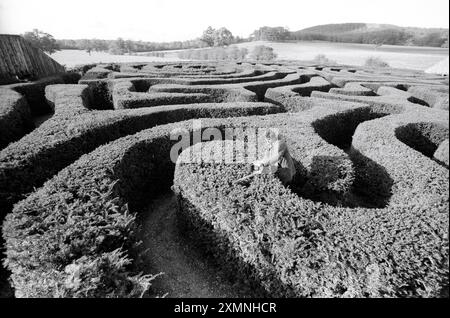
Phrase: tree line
(379, 37)
(210, 38)
(122, 46)
(223, 37)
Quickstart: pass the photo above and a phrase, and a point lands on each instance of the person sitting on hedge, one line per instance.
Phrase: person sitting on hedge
(277, 156)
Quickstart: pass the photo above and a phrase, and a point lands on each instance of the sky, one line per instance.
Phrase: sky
(177, 20)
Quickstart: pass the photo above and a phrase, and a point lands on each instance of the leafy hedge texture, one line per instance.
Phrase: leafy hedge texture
(295, 247)
(20, 101)
(15, 116)
(365, 216)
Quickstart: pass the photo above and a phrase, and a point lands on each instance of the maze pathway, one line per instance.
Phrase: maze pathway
(186, 271)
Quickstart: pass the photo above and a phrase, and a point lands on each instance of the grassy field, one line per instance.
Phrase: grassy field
(416, 58)
(71, 58)
(408, 57)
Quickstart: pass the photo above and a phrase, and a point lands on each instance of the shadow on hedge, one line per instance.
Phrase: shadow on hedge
(6, 290)
(373, 185)
(423, 137)
(371, 188)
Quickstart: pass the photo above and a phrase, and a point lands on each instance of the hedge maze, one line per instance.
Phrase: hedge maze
(367, 215)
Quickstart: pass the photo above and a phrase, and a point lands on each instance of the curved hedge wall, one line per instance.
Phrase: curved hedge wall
(114, 175)
(436, 97)
(442, 153)
(295, 247)
(21, 101)
(34, 91)
(292, 97)
(137, 93)
(354, 89)
(62, 139)
(88, 243)
(366, 214)
(15, 117)
(133, 169)
(389, 99)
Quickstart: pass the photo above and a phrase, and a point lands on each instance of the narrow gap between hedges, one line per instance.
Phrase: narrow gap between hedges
(187, 272)
(417, 101)
(39, 120)
(338, 130)
(6, 290)
(423, 137)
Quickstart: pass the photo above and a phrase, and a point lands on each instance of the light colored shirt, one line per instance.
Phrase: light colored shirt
(278, 153)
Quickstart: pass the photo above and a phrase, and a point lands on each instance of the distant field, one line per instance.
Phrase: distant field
(416, 58)
(75, 57)
(408, 57)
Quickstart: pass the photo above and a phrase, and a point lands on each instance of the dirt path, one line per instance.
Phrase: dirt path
(186, 272)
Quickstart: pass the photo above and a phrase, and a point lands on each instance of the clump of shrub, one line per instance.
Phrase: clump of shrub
(375, 62)
(323, 59)
(263, 53)
(232, 53)
(156, 54)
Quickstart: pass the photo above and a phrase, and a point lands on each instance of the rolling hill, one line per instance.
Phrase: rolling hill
(374, 34)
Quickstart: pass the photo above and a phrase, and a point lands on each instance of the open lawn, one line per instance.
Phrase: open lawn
(417, 58)
(408, 57)
(71, 58)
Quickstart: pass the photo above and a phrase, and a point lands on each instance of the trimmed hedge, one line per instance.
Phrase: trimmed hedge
(377, 76)
(128, 94)
(125, 96)
(218, 70)
(246, 76)
(391, 100)
(436, 97)
(86, 246)
(34, 91)
(294, 97)
(135, 93)
(423, 137)
(354, 89)
(226, 72)
(111, 176)
(15, 117)
(216, 93)
(399, 93)
(256, 76)
(295, 247)
(260, 88)
(192, 69)
(101, 91)
(97, 72)
(62, 139)
(442, 153)
(76, 235)
(69, 100)
(232, 91)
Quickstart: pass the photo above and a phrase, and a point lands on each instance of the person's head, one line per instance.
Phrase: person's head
(272, 135)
